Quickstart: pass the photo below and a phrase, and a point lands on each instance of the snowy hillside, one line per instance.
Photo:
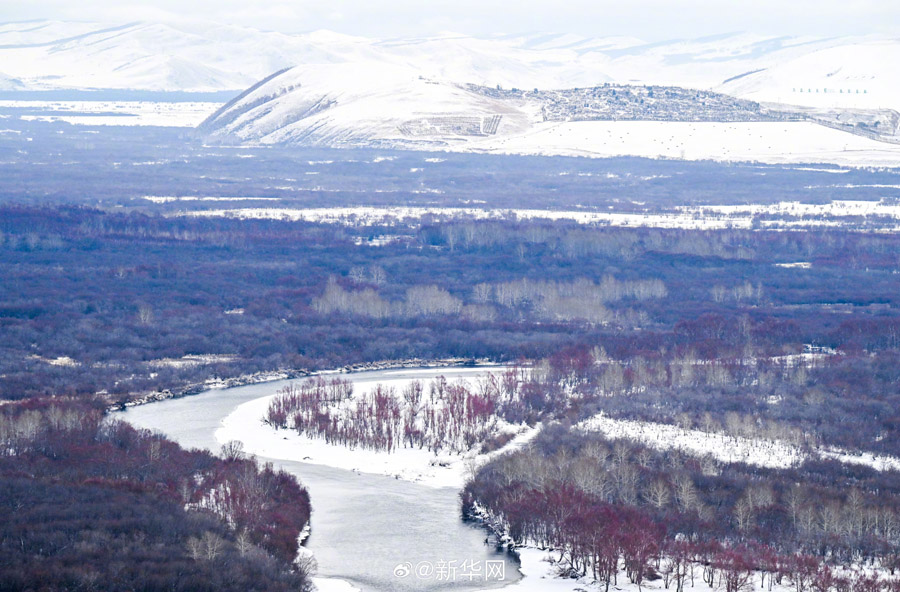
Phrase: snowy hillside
(9, 83)
(516, 93)
(393, 106)
(855, 74)
(358, 104)
(159, 57)
(208, 57)
(397, 106)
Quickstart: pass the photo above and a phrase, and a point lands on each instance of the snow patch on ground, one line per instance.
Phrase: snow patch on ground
(170, 198)
(193, 360)
(768, 142)
(795, 265)
(883, 216)
(695, 442)
(367, 215)
(333, 585)
(58, 361)
(727, 449)
(117, 113)
(538, 574)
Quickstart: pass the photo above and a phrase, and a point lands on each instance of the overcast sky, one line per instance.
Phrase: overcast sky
(651, 20)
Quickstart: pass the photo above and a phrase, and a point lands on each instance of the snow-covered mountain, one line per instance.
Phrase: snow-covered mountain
(9, 83)
(460, 92)
(358, 104)
(384, 104)
(854, 75)
(210, 57)
(200, 57)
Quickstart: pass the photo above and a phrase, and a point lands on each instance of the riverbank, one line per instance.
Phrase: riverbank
(246, 424)
(290, 374)
(354, 507)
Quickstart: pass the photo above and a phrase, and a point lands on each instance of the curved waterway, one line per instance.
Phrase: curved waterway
(374, 532)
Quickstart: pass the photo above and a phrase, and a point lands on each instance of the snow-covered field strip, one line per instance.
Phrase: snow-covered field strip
(885, 216)
(835, 208)
(170, 198)
(695, 442)
(763, 453)
(150, 113)
(368, 215)
(769, 142)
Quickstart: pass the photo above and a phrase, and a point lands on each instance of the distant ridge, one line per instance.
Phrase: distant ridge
(848, 72)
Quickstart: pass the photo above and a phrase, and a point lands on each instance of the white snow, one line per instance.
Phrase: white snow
(356, 89)
(759, 452)
(766, 142)
(352, 103)
(333, 585)
(848, 75)
(201, 56)
(538, 574)
(171, 198)
(357, 104)
(245, 424)
(696, 443)
(192, 360)
(877, 216)
(795, 265)
(367, 215)
(875, 461)
(167, 114)
(58, 361)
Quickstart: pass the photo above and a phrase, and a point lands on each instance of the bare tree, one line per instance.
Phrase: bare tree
(145, 314)
(659, 494)
(233, 450)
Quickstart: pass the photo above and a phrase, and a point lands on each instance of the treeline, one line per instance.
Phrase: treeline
(608, 506)
(94, 301)
(580, 300)
(88, 502)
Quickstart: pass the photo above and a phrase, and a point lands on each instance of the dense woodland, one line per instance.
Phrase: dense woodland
(685, 323)
(616, 506)
(90, 503)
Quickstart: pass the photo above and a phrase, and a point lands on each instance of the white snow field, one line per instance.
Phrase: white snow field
(875, 216)
(198, 56)
(765, 142)
(759, 452)
(119, 113)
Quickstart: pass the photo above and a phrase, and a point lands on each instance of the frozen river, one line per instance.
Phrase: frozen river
(367, 530)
